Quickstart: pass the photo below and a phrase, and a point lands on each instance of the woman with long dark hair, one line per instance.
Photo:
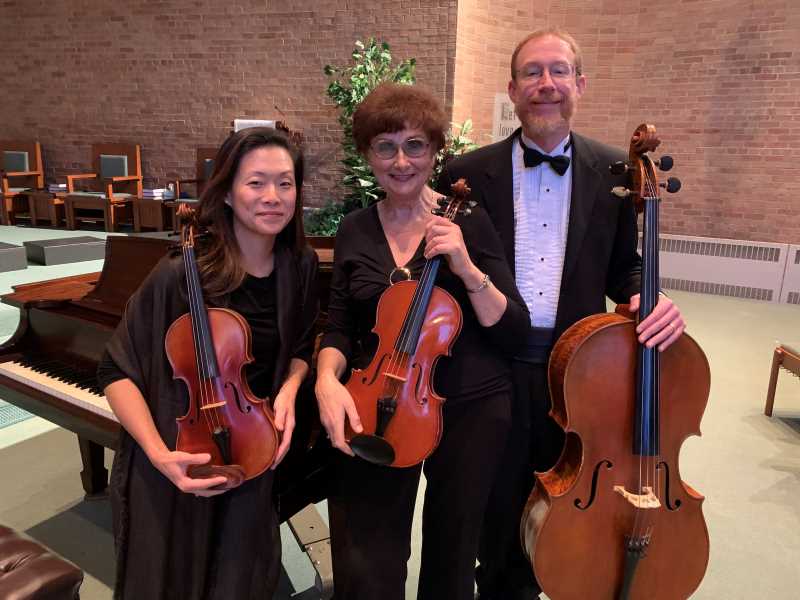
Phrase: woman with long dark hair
(177, 536)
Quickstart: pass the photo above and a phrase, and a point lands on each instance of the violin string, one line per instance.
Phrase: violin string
(190, 286)
(204, 380)
(397, 361)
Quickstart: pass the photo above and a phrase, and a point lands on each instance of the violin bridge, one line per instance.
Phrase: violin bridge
(395, 377)
(213, 405)
(646, 500)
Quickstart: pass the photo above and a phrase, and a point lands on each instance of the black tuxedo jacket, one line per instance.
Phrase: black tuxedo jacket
(601, 258)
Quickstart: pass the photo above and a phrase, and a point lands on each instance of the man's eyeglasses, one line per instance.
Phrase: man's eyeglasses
(558, 70)
(412, 147)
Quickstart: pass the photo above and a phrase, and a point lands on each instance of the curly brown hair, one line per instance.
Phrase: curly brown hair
(392, 107)
(218, 261)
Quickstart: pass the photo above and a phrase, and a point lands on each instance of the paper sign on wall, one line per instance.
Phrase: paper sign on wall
(505, 119)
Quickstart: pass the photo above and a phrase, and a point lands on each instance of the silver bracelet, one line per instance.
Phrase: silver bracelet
(484, 284)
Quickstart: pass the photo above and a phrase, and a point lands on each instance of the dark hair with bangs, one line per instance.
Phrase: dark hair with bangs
(220, 268)
(392, 107)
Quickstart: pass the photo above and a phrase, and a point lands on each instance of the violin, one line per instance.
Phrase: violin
(208, 349)
(416, 323)
(613, 519)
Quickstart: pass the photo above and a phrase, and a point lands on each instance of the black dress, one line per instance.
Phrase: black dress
(372, 507)
(175, 545)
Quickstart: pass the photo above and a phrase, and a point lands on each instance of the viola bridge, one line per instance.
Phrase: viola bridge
(646, 500)
(213, 405)
(394, 377)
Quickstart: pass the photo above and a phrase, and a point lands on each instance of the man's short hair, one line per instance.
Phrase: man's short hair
(556, 32)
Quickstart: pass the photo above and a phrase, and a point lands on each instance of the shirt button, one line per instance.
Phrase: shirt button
(540, 293)
(542, 259)
(546, 189)
(544, 224)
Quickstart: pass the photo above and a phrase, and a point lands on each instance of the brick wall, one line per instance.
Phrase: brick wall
(721, 80)
(173, 74)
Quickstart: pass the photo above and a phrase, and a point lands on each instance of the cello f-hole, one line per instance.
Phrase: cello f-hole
(671, 504)
(595, 476)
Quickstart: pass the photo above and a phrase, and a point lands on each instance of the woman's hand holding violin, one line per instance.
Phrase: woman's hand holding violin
(173, 465)
(334, 403)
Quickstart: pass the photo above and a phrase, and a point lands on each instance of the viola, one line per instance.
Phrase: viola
(208, 349)
(416, 323)
(613, 519)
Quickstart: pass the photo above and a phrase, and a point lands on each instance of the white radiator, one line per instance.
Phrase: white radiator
(790, 292)
(736, 268)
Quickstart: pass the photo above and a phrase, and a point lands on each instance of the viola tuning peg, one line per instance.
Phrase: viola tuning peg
(665, 163)
(672, 185)
(465, 211)
(620, 167)
(472, 203)
(620, 192)
(443, 201)
(438, 212)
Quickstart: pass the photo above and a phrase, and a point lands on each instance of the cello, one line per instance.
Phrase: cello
(416, 322)
(208, 349)
(613, 519)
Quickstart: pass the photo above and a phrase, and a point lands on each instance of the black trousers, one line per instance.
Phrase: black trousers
(534, 444)
(372, 508)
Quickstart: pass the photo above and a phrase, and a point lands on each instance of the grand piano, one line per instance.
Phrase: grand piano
(48, 368)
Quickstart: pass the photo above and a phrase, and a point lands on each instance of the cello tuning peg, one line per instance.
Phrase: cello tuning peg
(672, 185)
(619, 168)
(620, 191)
(665, 163)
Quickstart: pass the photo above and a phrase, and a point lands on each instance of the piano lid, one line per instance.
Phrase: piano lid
(129, 259)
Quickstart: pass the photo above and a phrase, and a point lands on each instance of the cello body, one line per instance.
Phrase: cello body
(575, 518)
(613, 520)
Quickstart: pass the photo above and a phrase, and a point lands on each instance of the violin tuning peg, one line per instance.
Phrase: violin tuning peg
(620, 192)
(619, 168)
(672, 185)
(665, 163)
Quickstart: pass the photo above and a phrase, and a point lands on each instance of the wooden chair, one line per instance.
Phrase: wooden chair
(115, 182)
(204, 166)
(21, 171)
(789, 359)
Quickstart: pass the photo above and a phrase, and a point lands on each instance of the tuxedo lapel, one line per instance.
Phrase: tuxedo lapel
(586, 185)
(498, 193)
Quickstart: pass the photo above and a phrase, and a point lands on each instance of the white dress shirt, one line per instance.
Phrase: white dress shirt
(541, 219)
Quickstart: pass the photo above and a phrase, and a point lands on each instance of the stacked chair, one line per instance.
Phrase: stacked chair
(108, 192)
(21, 172)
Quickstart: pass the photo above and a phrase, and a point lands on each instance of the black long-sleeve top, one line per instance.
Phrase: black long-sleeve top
(479, 364)
(256, 301)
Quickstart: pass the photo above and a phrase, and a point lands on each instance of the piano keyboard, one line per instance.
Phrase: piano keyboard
(63, 390)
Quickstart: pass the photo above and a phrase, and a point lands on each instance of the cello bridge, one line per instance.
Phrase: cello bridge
(646, 500)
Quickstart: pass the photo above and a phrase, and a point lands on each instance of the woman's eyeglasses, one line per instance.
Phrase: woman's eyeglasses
(412, 147)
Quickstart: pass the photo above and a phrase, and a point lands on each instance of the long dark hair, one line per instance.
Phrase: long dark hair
(218, 260)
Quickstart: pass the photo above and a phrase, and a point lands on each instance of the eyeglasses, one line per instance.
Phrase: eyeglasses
(558, 70)
(412, 147)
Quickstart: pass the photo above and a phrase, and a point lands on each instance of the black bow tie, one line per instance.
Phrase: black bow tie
(533, 158)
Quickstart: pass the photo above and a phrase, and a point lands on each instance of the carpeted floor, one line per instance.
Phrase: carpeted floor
(747, 466)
